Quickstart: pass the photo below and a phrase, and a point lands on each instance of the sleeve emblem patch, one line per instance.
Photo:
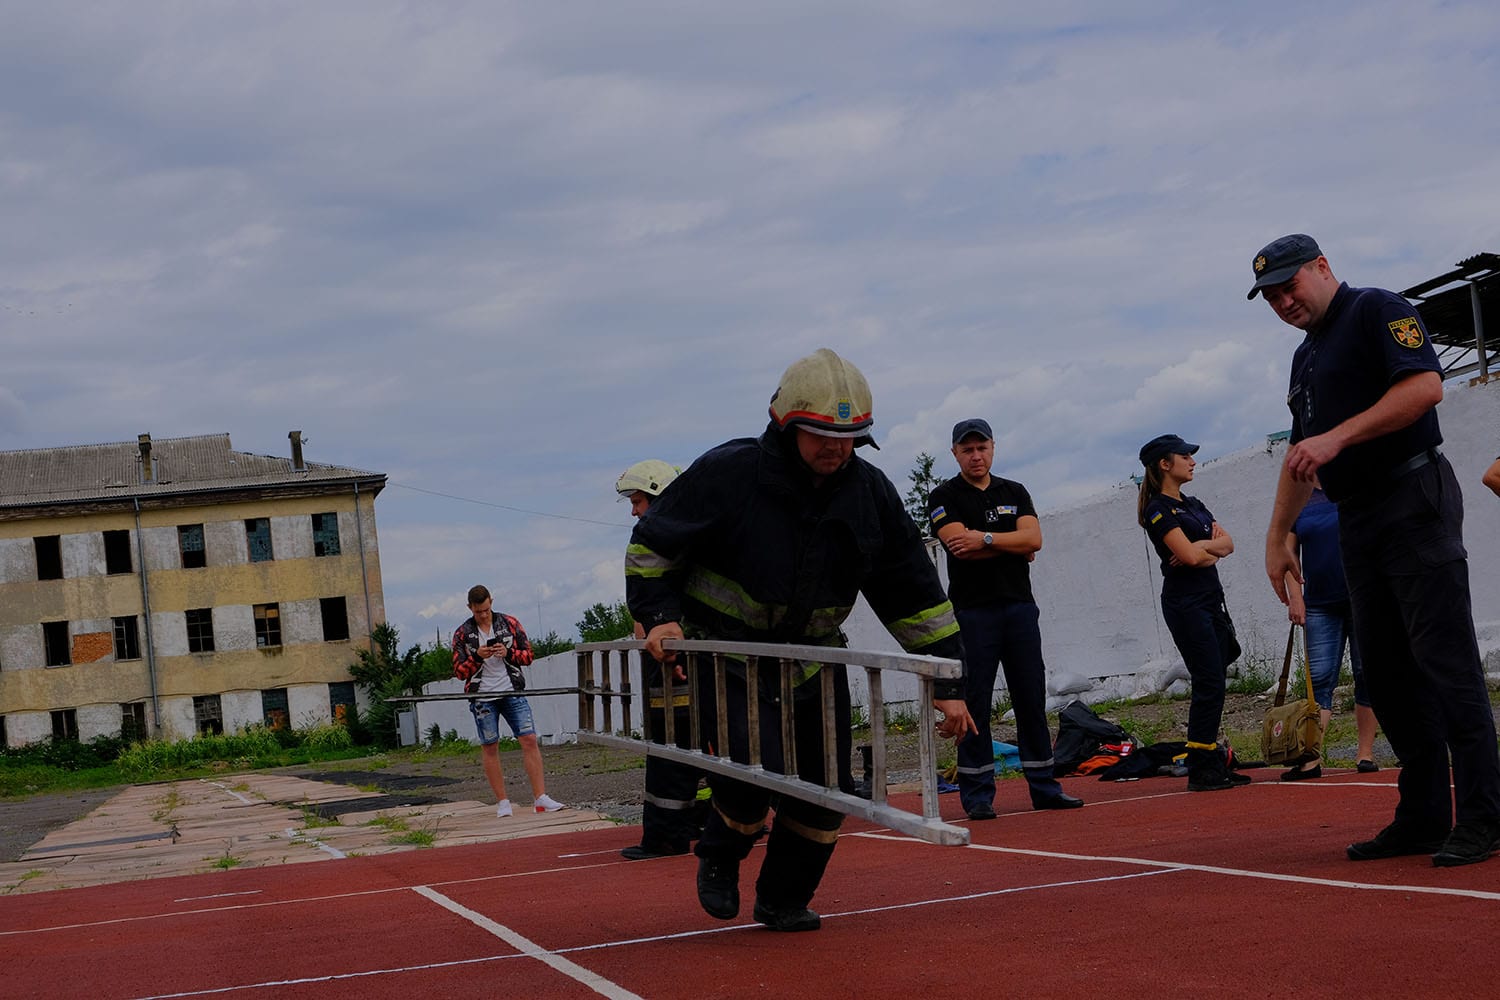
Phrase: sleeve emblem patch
(1156, 517)
(938, 514)
(1407, 332)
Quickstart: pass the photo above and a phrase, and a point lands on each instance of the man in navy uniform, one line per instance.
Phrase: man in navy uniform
(990, 529)
(1364, 386)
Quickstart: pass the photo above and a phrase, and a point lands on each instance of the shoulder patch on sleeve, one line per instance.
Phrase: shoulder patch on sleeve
(1407, 331)
(938, 513)
(1156, 517)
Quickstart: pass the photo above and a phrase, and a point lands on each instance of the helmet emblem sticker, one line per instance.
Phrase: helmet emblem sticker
(845, 410)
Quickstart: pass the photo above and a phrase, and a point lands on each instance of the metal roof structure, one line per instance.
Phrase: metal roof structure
(1453, 307)
(165, 471)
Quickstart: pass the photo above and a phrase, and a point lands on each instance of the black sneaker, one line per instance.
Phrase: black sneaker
(719, 887)
(1297, 774)
(982, 811)
(1396, 841)
(644, 852)
(791, 918)
(1470, 843)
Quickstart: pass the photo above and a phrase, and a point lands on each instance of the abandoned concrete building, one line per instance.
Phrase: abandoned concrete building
(162, 588)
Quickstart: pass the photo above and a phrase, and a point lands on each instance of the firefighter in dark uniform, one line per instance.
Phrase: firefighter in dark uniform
(1364, 386)
(771, 539)
(1190, 544)
(989, 527)
(669, 820)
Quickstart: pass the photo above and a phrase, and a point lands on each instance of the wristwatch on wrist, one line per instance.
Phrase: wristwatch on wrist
(989, 539)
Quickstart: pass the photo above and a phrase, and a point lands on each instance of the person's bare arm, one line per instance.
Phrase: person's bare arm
(1291, 497)
(968, 543)
(1492, 478)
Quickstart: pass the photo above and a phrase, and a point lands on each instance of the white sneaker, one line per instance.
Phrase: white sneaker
(503, 809)
(547, 804)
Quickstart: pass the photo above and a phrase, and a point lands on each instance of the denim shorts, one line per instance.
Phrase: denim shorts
(517, 712)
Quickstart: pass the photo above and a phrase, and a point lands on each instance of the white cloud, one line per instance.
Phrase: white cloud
(500, 251)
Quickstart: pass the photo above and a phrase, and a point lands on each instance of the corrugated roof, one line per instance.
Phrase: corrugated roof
(181, 465)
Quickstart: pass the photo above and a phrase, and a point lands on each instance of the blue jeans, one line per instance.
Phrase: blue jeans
(517, 712)
(1327, 628)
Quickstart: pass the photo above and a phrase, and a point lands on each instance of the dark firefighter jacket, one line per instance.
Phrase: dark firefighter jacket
(744, 548)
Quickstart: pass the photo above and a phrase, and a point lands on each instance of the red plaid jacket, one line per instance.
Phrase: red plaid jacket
(467, 662)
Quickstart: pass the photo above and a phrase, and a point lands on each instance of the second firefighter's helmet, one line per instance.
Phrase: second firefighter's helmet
(649, 477)
(826, 395)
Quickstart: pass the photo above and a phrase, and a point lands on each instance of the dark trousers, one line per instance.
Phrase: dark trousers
(1004, 635)
(1204, 635)
(803, 836)
(1408, 577)
(669, 819)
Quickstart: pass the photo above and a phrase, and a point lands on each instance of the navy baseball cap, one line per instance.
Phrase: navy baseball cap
(1160, 447)
(1280, 259)
(973, 425)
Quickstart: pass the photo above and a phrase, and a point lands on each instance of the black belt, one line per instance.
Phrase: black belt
(1416, 462)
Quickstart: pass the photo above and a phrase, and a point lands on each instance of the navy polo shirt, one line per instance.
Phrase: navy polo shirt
(973, 583)
(1163, 513)
(1369, 340)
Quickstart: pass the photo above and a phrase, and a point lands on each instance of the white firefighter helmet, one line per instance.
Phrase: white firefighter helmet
(826, 395)
(649, 477)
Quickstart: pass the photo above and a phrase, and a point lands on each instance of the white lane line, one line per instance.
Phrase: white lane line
(298, 837)
(1433, 890)
(526, 946)
(219, 895)
(277, 984)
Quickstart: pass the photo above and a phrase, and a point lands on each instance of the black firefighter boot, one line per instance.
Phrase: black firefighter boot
(789, 876)
(720, 850)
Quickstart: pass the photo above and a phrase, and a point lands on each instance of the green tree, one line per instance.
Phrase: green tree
(601, 623)
(923, 482)
(553, 643)
(384, 673)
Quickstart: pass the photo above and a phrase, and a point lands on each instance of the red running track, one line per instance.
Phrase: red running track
(1147, 892)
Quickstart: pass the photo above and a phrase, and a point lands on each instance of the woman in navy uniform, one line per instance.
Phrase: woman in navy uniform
(1189, 542)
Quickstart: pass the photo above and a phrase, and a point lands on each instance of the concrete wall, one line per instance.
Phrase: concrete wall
(1097, 582)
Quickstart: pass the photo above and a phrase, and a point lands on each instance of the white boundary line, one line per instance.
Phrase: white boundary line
(526, 946)
(1184, 866)
(529, 950)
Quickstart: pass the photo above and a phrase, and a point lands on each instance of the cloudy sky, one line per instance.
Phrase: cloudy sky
(499, 251)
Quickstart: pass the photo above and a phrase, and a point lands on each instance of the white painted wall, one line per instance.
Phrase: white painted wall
(1097, 583)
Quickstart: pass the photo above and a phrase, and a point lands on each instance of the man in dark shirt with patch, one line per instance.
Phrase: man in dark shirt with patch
(991, 532)
(1365, 383)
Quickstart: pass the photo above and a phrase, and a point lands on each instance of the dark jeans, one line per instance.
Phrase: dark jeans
(1408, 577)
(1005, 635)
(1204, 635)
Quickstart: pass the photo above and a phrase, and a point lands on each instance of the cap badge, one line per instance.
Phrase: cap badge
(1260, 263)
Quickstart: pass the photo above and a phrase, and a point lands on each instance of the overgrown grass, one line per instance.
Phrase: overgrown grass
(67, 765)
